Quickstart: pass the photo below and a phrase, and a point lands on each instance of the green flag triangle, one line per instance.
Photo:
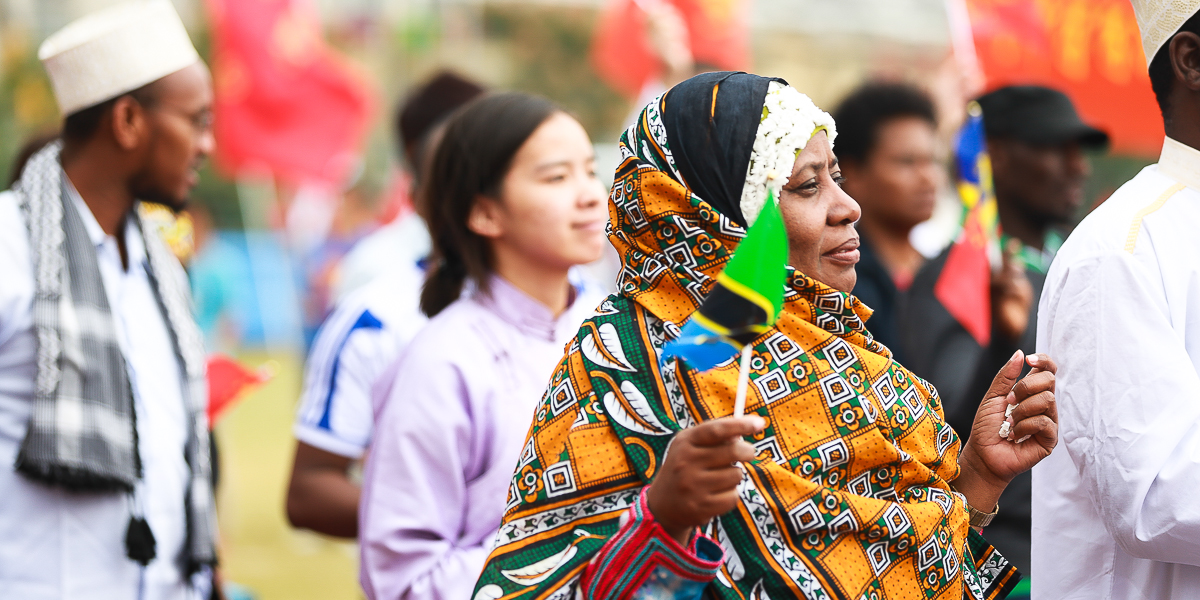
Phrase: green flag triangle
(758, 269)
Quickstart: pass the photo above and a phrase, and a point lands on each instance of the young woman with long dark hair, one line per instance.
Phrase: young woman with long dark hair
(513, 202)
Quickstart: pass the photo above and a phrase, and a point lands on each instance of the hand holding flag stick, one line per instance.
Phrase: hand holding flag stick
(744, 303)
(699, 476)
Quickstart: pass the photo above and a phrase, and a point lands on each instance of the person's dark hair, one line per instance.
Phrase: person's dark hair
(471, 160)
(860, 116)
(28, 149)
(427, 107)
(1162, 74)
(82, 124)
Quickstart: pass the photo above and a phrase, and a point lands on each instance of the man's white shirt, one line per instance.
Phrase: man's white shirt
(58, 545)
(366, 333)
(402, 243)
(1116, 506)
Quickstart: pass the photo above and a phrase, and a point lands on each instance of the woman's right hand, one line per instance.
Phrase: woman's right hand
(699, 478)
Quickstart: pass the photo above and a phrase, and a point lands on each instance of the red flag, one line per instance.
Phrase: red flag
(622, 53)
(1089, 49)
(964, 287)
(227, 379)
(284, 100)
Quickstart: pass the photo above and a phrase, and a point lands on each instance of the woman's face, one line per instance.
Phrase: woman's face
(820, 217)
(551, 211)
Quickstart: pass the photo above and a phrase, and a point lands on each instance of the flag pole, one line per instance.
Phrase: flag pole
(962, 40)
(739, 403)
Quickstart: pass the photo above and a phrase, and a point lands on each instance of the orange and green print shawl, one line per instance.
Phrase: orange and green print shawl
(849, 496)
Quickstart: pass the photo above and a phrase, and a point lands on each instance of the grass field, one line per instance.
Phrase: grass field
(259, 549)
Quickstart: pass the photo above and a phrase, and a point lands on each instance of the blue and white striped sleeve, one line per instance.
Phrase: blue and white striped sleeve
(350, 351)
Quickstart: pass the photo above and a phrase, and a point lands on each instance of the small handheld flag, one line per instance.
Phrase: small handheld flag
(227, 380)
(745, 301)
(964, 285)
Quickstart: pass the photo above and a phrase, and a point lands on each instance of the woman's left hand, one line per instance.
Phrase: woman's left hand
(1033, 423)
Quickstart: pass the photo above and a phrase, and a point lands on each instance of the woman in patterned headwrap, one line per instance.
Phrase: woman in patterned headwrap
(847, 484)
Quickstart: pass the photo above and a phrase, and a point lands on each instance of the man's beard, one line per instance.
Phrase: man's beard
(151, 194)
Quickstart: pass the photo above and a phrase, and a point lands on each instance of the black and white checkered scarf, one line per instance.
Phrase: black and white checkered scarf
(82, 433)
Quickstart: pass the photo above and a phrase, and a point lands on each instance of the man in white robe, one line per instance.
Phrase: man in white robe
(1116, 508)
(105, 486)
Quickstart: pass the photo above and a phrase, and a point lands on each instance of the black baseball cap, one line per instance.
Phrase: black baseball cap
(1037, 115)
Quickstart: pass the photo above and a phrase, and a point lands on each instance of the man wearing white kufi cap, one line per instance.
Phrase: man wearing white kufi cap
(107, 492)
(1116, 508)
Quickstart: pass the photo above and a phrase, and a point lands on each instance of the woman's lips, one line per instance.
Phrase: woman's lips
(597, 225)
(845, 254)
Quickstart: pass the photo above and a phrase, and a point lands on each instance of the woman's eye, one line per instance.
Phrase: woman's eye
(840, 181)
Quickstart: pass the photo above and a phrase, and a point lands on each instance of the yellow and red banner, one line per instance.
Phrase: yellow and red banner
(1089, 49)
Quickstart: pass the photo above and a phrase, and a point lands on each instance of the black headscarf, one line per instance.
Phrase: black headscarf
(711, 121)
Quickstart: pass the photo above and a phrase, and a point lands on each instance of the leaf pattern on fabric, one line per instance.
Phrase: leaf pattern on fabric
(630, 409)
(489, 592)
(538, 572)
(733, 563)
(608, 353)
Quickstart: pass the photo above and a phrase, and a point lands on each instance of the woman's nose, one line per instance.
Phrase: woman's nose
(845, 210)
(592, 192)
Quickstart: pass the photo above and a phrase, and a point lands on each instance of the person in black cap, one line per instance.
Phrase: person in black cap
(1037, 142)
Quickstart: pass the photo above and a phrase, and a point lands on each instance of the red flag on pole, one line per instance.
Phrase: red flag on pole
(285, 102)
(623, 54)
(964, 286)
(1089, 49)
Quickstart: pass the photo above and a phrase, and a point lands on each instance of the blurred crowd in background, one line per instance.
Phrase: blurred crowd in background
(382, 50)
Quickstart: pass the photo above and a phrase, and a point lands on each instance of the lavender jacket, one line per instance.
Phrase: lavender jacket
(450, 422)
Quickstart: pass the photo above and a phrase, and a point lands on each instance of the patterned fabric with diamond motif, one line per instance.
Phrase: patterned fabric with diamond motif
(848, 497)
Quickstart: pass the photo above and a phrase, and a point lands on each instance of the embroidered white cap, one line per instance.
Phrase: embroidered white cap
(114, 51)
(1158, 20)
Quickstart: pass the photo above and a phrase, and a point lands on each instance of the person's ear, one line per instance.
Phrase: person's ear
(130, 123)
(1074, 159)
(998, 154)
(1185, 59)
(486, 218)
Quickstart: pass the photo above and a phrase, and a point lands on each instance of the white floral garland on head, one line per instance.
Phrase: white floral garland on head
(789, 120)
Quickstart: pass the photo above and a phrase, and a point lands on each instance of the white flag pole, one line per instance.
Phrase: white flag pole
(962, 37)
(739, 403)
